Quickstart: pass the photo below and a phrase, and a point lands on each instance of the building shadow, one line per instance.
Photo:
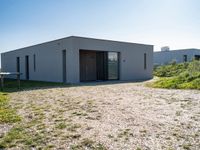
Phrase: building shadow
(11, 85)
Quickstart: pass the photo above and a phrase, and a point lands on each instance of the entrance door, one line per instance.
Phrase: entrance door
(18, 64)
(98, 65)
(88, 66)
(64, 65)
(101, 67)
(27, 67)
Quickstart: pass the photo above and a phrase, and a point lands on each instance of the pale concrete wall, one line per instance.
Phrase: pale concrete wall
(131, 57)
(49, 59)
(165, 57)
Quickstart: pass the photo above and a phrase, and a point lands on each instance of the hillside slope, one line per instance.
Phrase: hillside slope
(178, 76)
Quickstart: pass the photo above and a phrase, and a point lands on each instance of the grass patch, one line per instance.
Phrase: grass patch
(20, 135)
(79, 113)
(187, 146)
(73, 136)
(125, 134)
(170, 70)
(7, 114)
(15, 136)
(73, 127)
(178, 76)
(69, 127)
(61, 125)
(11, 85)
(88, 144)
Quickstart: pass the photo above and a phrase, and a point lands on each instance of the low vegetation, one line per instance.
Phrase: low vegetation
(7, 114)
(98, 117)
(12, 85)
(18, 133)
(88, 144)
(30, 130)
(178, 76)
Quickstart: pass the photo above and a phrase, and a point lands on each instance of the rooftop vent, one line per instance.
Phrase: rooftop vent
(165, 49)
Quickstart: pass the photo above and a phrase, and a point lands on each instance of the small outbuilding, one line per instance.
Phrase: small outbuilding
(77, 59)
(178, 56)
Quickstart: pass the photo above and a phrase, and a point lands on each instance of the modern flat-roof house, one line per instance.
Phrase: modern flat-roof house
(77, 59)
(179, 56)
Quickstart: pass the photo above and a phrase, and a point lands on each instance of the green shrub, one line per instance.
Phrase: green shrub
(170, 70)
(178, 76)
(194, 66)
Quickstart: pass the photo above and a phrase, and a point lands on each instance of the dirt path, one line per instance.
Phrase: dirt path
(113, 116)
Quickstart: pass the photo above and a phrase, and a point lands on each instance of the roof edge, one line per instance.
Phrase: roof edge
(186, 49)
(75, 37)
(38, 44)
(110, 40)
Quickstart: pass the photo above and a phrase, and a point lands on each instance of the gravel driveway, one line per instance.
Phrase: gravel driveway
(111, 116)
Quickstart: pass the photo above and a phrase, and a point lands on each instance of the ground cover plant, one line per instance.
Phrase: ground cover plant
(7, 114)
(11, 85)
(178, 76)
(99, 116)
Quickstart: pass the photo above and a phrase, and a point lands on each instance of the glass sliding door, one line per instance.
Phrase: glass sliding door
(113, 65)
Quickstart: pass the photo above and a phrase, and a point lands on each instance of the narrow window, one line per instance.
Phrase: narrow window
(145, 61)
(34, 63)
(27, 67)
(18, 64)
(184, 58)
(64, 66)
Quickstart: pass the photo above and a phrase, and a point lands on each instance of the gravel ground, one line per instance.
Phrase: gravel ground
(111, 116)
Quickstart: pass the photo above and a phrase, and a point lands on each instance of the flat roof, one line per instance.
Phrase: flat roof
(76, 37)
(187, 49)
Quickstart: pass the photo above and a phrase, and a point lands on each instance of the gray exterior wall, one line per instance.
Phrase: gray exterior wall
(166, 57)
(49, 59)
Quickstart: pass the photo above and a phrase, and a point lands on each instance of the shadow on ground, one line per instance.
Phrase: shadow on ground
(11, 85)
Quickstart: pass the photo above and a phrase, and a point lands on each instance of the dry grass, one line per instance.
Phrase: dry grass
(113, 116)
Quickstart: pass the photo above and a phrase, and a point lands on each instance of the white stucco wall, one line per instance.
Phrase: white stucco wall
(49, 59)
(165, 57)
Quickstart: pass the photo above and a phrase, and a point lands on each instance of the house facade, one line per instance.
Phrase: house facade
(77, 59)
(178, 56)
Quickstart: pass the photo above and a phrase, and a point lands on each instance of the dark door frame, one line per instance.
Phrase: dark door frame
(64, 65)
(18, 64)
(87, 65)
(27, 67)
(105, 64)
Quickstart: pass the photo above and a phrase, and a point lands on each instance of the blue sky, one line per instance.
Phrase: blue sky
(174, 23)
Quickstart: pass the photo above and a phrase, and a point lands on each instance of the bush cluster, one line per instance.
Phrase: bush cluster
(178, 76)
